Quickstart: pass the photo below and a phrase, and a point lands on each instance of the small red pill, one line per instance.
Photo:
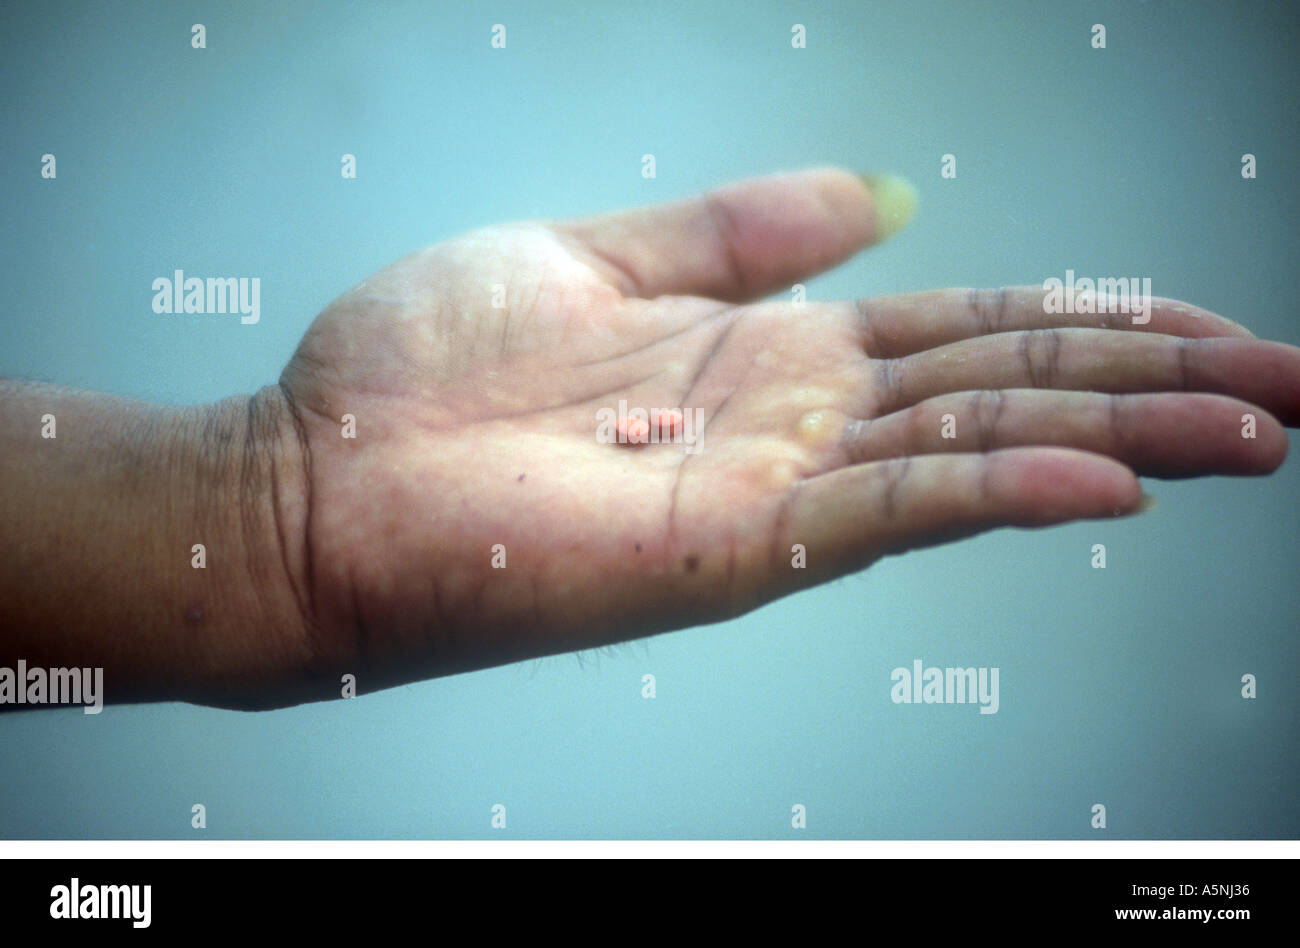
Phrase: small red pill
(634, 431)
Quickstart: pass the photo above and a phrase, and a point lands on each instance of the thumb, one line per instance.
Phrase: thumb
(748, 239)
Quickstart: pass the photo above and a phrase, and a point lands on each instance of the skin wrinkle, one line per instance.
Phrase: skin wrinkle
(1184, 355)
(1002, 296)
(692, 327)
(533, 316)
(731, 546)
(1118, 441)
(533, 309)
(281, 531)
(888, 382)
(1026, 357)
(739, 386)
(315, 629)
(895, 472)
(576, 402)
(776, 554)
(254, 441)
(917, 429)
(503, 348)
(623, 272)
(867, 329)
(1053, 357)
(282, 539)
(672, 502)
(1117, 319)
(975, 302)
(992, 309)
(1039, 350)
(318, 367)
(720, 214)
(988, 408)
(681, 467)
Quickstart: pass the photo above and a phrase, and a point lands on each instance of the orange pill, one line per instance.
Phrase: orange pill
(668, 421)
(634, 431)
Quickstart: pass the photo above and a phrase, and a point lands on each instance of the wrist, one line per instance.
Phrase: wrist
(163, 545)
(248, 458)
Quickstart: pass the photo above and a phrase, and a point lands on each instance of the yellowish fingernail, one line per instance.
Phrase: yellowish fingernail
(895, 202)
(1147, 503)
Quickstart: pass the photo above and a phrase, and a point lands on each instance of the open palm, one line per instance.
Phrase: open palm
(477, 517)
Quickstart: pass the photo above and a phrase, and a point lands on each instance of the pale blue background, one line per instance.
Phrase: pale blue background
(1118, 686)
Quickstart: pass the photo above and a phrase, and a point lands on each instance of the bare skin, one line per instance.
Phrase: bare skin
(476, 426)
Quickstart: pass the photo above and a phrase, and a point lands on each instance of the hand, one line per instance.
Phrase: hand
(477, 428)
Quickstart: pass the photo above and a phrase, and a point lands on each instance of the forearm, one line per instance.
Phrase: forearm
(99, 525)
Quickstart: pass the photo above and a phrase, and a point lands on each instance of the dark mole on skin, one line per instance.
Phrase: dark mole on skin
(520, 478)
(638, 547)
(193, 615)
(692, 563)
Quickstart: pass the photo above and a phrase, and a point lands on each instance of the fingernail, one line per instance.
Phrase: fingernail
(1147, 502)
(894, 199)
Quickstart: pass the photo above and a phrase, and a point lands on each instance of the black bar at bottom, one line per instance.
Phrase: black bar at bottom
(635, 900)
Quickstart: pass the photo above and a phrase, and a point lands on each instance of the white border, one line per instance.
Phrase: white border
(772, 849)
